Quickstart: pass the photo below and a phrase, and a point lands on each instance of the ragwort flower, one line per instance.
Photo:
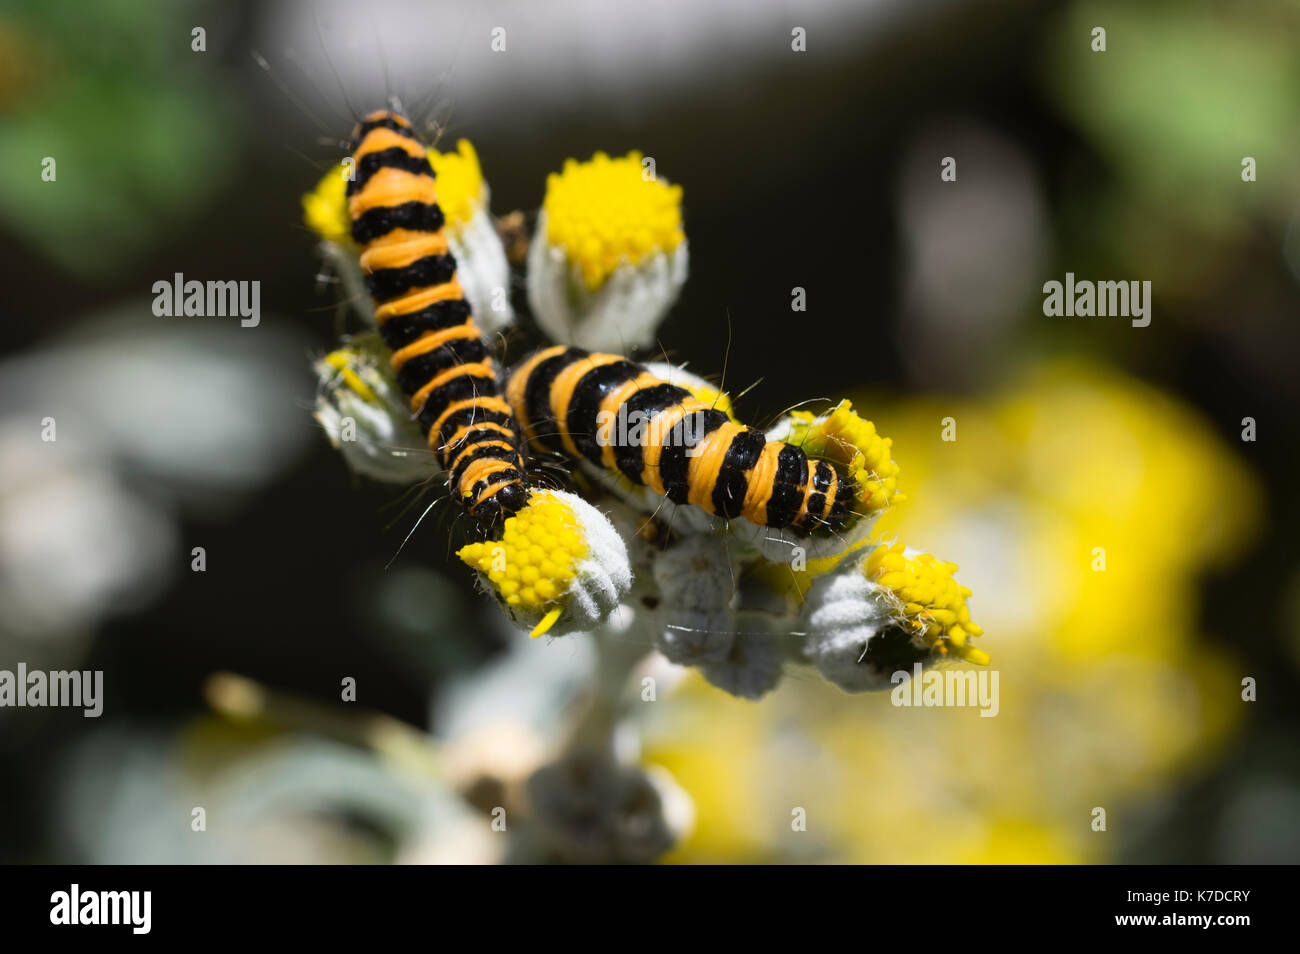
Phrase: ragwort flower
(609, 256)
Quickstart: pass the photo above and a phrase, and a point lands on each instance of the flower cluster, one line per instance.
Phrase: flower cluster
(1119, 697)
(608, 256)
(738, 601)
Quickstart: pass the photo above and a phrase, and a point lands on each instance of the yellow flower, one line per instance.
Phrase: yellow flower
(558, 567)
(852, 443)
(365, 415)
(343, 360)
(605, 213)
(325, 208)
(536, 559)
(931, 603)
(459, 183)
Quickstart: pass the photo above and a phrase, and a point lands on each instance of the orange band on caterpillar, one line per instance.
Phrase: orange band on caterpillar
(440, 357)
(617, 415)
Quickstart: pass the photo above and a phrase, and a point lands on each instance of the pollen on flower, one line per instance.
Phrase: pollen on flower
(534, 563)
(343, 361)
(604, 214)
(852, 444)
(325, 208)
(932, 605)
(459, 183)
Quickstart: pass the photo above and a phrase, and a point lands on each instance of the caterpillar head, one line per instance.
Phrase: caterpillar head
(866, 483)
(392, 118)
(506, 502)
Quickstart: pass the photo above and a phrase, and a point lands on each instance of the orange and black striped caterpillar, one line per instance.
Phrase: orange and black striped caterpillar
(564, 398)
(439, 356)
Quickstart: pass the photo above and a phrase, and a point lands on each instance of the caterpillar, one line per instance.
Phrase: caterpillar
(438, 353)
(688, 451)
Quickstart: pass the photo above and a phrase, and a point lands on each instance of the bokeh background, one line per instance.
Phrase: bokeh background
(1119, 689)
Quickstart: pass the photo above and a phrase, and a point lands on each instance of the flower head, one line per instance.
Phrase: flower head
(852, 443)
(325, 208)
(754, 662)
(883, 609)
(364, 414)
(931, 605)
(462, 193)
(860, 456)
(605, 213)
(609, 256)
(695, 581)
(558, 567)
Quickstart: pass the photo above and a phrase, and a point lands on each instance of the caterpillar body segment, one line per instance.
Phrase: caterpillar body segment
(624, 419)
(439, 356)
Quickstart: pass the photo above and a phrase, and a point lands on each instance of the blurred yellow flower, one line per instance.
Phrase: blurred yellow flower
(460, 183)
(325, 208)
